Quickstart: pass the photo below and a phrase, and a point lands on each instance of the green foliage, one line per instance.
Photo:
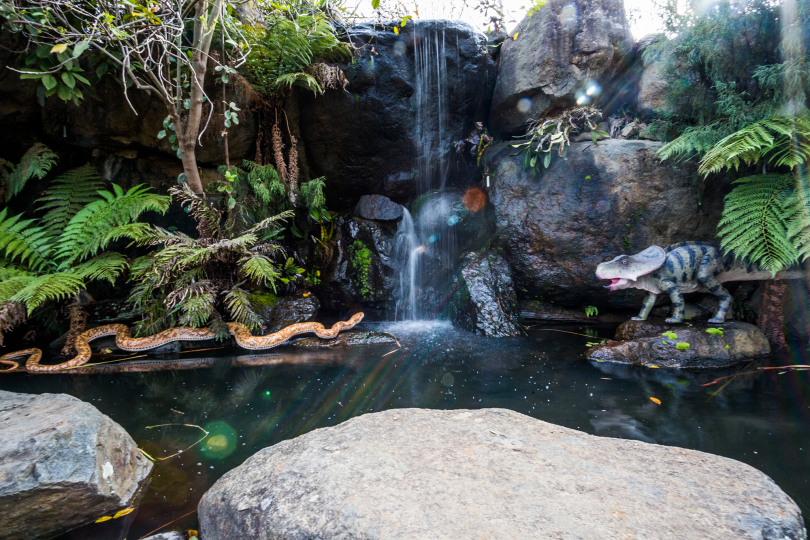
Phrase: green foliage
(312, 194)
(52, 258)
(35, 163)
(715, 331)
(591, 311)
(360, 257)
(198, 281)
(682, 346)
(670, 335)
(287, 44)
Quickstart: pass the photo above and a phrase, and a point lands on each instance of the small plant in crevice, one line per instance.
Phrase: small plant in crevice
(543, 135)
(591, 311)
(360, 257)
(634, 217)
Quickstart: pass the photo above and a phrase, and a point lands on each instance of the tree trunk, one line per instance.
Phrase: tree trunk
(771, 314)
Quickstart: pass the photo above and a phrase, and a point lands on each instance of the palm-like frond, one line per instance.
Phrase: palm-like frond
(36, 162)
(105, 266)
(237, 301)
(782, 141)
(56, 286)
(765, 221)
(23, 243)
(106, 220)
(67, 195)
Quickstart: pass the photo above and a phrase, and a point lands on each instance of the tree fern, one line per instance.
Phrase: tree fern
(765, 221)
(36, 162)
(67, 195)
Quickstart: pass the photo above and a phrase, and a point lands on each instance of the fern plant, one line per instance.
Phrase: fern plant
(202, 281)
(53, 258)
(35, 163)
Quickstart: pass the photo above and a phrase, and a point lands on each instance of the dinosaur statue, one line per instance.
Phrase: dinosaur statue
(682, 268)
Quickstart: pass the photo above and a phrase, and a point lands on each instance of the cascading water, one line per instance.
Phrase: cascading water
(425, 240)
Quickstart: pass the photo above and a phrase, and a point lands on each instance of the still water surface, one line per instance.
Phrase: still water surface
(762, 419)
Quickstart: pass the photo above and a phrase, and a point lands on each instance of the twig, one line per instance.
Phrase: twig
(565, 332)
(166, 525)
(181, 451)
(798, 367)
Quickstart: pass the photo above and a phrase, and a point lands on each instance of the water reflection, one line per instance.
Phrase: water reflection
(247, 405)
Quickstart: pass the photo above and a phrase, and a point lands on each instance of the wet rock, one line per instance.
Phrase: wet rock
(280, 312)
(111, 311)
(166, 536)
(642, 343)
(602, 201)
(367, 139)
(535, 310)
(378, 207)
(361, 266)
(488, 473)
(344, 339)
(485, 301)
(560, 50)
(62, 464)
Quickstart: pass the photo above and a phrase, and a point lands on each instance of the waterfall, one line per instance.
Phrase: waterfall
(427, 237)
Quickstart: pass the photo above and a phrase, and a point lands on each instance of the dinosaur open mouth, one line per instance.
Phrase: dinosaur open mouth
(613, 282)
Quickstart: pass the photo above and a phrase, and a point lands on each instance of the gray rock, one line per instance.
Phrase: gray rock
(560, 49)
(278, 313)
(62, 464)
(652, 82)
(166, 536)
(601, 201)
(344, 339)
(641, 343)
(368, 139)
(489, 473)
(535, 310)
(378, 207)
(485, 301)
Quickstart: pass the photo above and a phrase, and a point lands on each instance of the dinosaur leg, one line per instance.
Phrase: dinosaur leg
(675, 295)
(649, 302)
(717, 289)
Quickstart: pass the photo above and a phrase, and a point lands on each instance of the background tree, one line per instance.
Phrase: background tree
(159, 46)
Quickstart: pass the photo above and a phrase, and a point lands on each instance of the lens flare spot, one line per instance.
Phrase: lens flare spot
(221, 441)
(420, 249)
(448, 379)
(524, 105)
(474, 199)
(582, 99)
(266, 394)
(569, 17)
(593, 90)
(433, 238)
(452, 220)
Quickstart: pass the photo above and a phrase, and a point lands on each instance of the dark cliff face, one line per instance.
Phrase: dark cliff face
(367, 139)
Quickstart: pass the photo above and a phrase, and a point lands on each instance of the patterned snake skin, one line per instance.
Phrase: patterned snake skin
(125, 341)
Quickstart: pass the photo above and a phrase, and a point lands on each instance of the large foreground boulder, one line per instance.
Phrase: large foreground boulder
(62, 464)
(490, 473)
(656, 343)
(561, 50)
(601, 201)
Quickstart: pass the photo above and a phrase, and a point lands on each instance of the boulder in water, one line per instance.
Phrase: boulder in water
(697, 346)
(62, 464)
(411, 474)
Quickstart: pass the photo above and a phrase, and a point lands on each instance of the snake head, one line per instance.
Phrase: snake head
(356, 318)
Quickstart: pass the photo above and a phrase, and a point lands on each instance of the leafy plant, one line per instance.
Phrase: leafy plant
(35, 163)
(682, 346)
(715, 331)
(670, 335)
(201, 281)
(360, 257)
(53, 258)
(544, 135)
(591, 311)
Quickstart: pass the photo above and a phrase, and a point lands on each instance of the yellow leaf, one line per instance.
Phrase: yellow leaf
(103, 519)
(655, 400)
(62, 47)
(123, 512)
(516, 35)
(416, 13)
(192, 532)
(396, 30)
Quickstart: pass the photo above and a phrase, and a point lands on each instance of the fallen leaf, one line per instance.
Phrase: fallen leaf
(122, 513)
(103, 519)
(515, 36)
(396, 30)
(605, 379)
(655, 400)
(192, 532)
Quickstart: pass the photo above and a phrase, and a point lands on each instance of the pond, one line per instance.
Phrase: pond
(761, 419)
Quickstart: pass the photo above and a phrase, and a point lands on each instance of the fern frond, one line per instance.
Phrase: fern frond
(12, 284)
(23, 243)
(105, 220)
(205, 214)
(57, 286)
(259, 269)
(756, 222)
(312, 193)
(197, 310)
(105, 266)
(36, 162)
(784, 141)
(237, 301)
(67, 195)
(268, 222)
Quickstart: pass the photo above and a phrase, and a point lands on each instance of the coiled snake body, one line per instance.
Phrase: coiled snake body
(125, 341)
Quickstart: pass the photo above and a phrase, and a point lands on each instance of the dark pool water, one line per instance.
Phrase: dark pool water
(761, 419)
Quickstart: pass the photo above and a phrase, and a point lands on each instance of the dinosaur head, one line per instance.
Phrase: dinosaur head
(625, 269)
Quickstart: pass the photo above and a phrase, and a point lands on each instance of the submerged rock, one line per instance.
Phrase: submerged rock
(378, 207)
(601, 201)
(484, 301)
(489, 473)
(62, 464)
(344, 339)
(561, 50)
(643, 343)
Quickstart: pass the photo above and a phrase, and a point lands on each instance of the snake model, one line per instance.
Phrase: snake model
(125, 341)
